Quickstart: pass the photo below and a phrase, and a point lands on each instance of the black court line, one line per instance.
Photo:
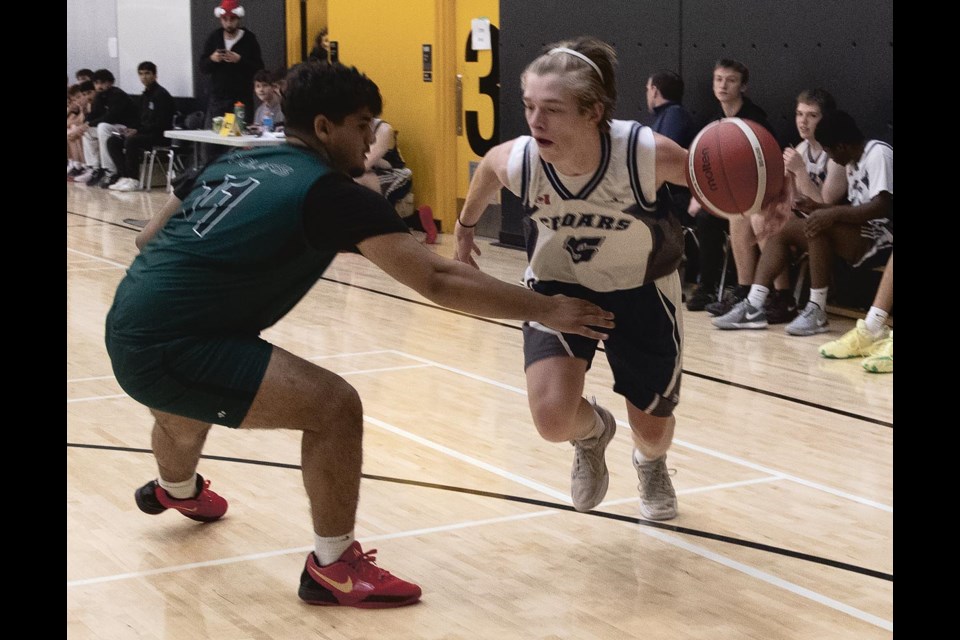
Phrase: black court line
(740, 542)
(702, 376)
(128, 227)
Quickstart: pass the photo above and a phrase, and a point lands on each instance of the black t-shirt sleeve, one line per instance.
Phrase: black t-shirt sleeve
(338, 214)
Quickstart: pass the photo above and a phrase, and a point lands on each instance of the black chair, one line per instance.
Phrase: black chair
(169, 156)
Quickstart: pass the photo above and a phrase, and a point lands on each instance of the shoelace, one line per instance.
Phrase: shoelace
(368, 559)
(659, 479)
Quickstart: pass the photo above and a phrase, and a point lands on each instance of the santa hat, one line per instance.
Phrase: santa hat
(229, 6)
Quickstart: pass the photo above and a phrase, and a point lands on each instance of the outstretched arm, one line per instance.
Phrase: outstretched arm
(489, 177)
(458, 286)
(157, 222)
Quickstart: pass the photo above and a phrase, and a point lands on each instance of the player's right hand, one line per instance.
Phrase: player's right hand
(574, 315)
(466, 245)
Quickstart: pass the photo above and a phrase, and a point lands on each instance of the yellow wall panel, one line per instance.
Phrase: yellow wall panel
(385, 40)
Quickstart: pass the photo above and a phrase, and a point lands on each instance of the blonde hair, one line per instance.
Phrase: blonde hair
(589, 84)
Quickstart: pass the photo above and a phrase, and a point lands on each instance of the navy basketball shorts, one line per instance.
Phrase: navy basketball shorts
(211, 379)
(644, 349)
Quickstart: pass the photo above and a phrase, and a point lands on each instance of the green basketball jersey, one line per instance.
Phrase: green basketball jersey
(235, 258)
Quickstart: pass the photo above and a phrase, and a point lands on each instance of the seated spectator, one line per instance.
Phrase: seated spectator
(265, 87)
(321, 47)
(671, 118)
(83, 75)
(387, 174)
(76, 113)
(860, 233)
(816, 178)
(871, 337)
(730, 80)
(112, 112)
(156, 116)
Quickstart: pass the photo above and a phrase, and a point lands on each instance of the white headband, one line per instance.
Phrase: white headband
(578, 55)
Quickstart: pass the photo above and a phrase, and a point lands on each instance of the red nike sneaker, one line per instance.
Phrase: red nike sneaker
(354, 581)
(207, 506)
(426, 221)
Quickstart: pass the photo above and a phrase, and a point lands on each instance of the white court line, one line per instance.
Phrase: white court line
(74, 269)
(98, 258)
(654, 533)
(671, 539)
(94, 398)
(347, 373)
(562, 496)
(72, 380)
(710, 452)
(283, 552)
(350, 355)
(753, 572)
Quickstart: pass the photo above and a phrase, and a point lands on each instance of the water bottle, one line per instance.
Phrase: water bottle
(241, 116)
(268, 121)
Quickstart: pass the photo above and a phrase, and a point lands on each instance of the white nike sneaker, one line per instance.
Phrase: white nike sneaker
(742, 316)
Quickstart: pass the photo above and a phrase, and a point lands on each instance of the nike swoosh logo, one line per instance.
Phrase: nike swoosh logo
(343, 587)
(753, 316)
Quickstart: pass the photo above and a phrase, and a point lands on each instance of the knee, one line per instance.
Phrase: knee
(341, 410)
(651, 429)
(554, 421)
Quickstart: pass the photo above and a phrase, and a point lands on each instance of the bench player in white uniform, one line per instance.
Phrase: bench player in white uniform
(597, 231)
(817, 179)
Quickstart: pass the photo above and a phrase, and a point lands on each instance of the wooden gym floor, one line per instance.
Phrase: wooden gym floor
(784, 471)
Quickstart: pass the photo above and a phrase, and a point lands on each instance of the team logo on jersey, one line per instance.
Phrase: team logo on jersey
(583, 249)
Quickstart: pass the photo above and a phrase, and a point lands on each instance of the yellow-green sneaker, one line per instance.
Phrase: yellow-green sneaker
(880, 359)
(855, 343)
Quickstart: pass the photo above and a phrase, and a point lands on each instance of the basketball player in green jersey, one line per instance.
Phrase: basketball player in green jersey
(253, 233)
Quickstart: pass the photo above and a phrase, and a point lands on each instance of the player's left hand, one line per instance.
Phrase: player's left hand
(466, 245)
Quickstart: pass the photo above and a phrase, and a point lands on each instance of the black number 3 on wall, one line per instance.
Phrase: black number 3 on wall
(489, 85)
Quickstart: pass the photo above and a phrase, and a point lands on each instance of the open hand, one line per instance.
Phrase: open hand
(573, 315)
(466, 246)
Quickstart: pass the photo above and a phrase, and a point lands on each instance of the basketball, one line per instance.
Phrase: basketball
(735, 167)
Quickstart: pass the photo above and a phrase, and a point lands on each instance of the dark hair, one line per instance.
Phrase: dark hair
(148, 66)
(669, 83)
(102, 75)
(819, 97)
(87, 85)
(330, 89)
(836, 128)
(318, 41)
(264, 76)
(74, 89)
(736, 65)
(86, 73)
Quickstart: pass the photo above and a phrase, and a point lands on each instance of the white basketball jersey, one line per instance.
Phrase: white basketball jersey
(816, 166)
(606, 233)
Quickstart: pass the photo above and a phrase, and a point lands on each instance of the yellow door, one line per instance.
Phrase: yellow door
(478, 89)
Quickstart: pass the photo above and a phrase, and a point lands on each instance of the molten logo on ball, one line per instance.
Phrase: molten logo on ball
(735, 167)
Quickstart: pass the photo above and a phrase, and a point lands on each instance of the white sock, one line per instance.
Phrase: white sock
(329, 550)
(180, 490)
(757, 296)
(876, 320)
(640, 458)
(819, 297)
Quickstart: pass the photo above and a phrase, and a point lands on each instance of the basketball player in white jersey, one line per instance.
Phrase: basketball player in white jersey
(597, 230)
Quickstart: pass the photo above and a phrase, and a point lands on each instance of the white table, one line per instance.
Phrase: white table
(210, 137)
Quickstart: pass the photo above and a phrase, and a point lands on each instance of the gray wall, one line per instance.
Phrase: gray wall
(90, 23)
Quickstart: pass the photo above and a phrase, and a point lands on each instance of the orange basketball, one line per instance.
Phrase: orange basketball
(735, 167)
